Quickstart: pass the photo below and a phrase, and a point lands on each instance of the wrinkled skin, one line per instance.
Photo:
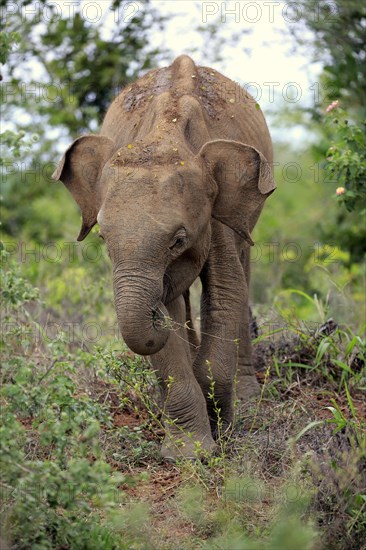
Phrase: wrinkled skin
(176, 180)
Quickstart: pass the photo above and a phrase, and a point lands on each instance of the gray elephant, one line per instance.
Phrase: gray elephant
(176, 180)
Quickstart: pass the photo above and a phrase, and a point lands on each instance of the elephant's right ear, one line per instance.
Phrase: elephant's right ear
(80, 170)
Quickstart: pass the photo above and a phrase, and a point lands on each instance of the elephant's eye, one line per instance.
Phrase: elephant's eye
(101, 236)
(179, 241)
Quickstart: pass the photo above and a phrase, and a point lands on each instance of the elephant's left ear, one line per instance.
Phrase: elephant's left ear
(80, 170)
(244, 180)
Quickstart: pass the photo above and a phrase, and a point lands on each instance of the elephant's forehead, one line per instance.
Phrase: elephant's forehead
(154, 199)
(140, 220)
(166, 183)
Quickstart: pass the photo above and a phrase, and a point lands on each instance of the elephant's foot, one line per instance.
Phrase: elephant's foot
(191, 446)
(247, 387)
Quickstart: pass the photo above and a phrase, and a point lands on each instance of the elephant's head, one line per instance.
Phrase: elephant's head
(154, 212)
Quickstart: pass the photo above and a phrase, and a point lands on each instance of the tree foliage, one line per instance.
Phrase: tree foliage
(77, 64)
(62, 70)
(338, 40)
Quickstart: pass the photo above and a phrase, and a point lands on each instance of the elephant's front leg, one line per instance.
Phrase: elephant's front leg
(186, 420)
(224, 296)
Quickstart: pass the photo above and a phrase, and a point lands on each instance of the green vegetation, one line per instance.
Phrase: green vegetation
(347, 161)
(81, 432)
(81, 418)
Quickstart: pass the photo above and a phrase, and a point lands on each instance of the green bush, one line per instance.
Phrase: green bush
(346, 159)
(57, 487)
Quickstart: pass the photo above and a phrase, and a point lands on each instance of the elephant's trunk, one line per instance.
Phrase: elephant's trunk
(142, 317)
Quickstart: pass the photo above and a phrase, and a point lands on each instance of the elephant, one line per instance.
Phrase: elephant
(176, 180)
